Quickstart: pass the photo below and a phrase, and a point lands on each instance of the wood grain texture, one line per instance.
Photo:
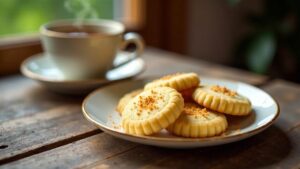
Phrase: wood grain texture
(277, 147)
(161, 63)
(259, 151)
(22, 97)
(256, 152)
(33, 119)
(78, 154)
(288, 96)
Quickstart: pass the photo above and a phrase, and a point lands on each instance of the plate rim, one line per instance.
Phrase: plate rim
(28, 73)
(180, 139)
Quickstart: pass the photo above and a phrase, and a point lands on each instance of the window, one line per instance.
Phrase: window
(23, 17)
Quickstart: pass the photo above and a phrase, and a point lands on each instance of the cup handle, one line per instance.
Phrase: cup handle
(131, 38)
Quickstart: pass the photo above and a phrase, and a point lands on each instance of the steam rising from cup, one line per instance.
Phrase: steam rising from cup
(82, 9)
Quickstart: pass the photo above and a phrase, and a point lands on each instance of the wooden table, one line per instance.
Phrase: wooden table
(41, 129)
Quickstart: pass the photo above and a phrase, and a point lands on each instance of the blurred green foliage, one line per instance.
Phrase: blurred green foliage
(260, 52)
(26, 16)
(274, 42)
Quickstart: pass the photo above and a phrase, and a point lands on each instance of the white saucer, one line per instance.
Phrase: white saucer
(41, 69)
(99, 108)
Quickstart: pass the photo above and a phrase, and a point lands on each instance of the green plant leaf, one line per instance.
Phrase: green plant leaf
(261, 51)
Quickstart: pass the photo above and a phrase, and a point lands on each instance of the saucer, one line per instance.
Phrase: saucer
(43, 70)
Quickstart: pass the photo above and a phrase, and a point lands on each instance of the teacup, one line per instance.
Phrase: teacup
(88, 49)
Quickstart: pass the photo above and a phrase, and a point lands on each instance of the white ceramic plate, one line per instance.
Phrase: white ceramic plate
(41, 69)
(99, 108)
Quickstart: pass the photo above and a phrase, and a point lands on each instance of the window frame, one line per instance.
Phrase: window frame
(13, 50)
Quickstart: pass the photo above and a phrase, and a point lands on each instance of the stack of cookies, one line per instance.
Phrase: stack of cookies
(180, 104)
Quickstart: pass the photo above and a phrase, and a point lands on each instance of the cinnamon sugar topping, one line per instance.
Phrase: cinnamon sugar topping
(193, 109)
(148, 102)
(223, 90)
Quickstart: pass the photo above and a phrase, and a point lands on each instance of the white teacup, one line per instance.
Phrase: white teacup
(87, 50)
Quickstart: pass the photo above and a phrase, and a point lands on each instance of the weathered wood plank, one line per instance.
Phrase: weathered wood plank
(78, 154)
(288, 96)
(23, 135)
(33, 119)
(161, 62)
(259, 151)
(277, 147)
(270, 149)
(22, 97)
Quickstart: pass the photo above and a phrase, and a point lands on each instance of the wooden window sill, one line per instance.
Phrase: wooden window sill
(14, 50)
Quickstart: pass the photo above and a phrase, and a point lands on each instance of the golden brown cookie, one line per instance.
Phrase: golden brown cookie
(152, 110)
(222, 99)
(196, 121)
(178, 81)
